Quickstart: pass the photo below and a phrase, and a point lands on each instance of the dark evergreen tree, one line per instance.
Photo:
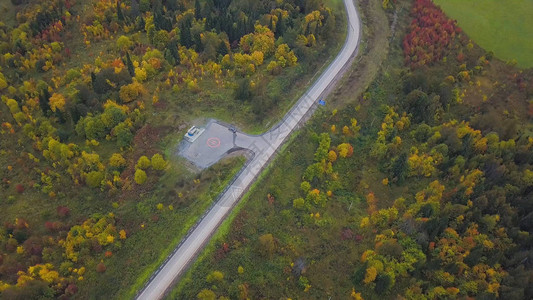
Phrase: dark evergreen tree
(400, 167)
(222, 48)
(168, 57)
(129, 64)
(161, 21)
(222, 5)
(134, 10)
(197, 10)
(173, 50)
(209, 7)
(93, 79)
(120, 15)
(44, 98)
(185, 34)
(139, 23)
(198, 46)
(171, 5)
(250, 25)
(209, 23)
(280, 26)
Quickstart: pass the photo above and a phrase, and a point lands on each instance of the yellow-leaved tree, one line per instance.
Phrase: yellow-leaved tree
(3, 81)
(158, 162)
(140, 176)
(117, 160)
(131, 92)
(57, 101)
(285, 56)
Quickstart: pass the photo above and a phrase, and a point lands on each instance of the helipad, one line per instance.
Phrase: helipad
(209, 146)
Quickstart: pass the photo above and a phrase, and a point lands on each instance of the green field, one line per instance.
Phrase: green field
(504, 27)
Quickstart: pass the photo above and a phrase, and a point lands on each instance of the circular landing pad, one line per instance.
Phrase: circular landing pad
(213, 142)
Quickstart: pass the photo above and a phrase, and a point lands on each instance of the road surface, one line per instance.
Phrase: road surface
(263, 148)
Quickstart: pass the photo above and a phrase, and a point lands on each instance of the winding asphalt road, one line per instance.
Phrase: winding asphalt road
(263, 148)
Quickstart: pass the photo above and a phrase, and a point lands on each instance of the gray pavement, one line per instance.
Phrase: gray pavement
(216, 142)
(263, 148)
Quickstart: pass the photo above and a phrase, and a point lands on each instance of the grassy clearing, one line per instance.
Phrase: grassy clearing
(505, 28)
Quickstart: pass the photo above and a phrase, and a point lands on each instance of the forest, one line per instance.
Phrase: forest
(422, 188)
(96, 96)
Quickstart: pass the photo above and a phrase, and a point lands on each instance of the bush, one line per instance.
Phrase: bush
(143, 163)
(124, 136)
(422, 133)
(206, 294)
(298, 203)
(144, 5)
(124, 42)
(19, 188)
(91, 128)
(383, 283)
(140, 176)
(94, 178)
(117, 160)
(100, 268)
(161, 39)
(131, 92)
(215, 276)
(243, 90)
(359, 274)
(267, 245)
(3, 82)
(158, 163)
(63, 211)
(107, 80)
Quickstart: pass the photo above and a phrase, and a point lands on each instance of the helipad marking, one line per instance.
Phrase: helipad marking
(213, 142)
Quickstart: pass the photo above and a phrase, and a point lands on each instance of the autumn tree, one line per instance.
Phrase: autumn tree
(206, 294)
(332, 156)
(101, 268)
(57, 102)
(285, 57)
(124, 43)
(117, 160)
(215, 276)
(345, 150)
(143, 163)
(3, 81)
(131, 92)
(267, 245)
(323, 147)
(140, 176)
(158, 162)
(298, 203)
(94, 178)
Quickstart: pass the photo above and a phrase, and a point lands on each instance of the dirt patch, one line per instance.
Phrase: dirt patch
(145, 143)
